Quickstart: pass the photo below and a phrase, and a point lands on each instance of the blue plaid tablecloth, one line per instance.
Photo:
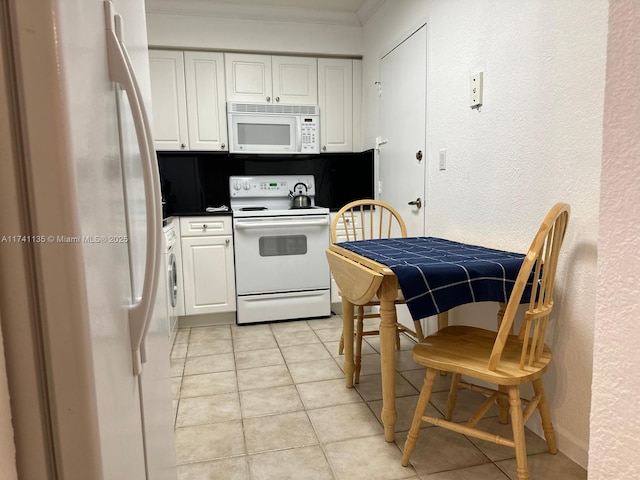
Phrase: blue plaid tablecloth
(436, 275)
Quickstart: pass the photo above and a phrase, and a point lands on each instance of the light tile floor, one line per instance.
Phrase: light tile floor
(268, 402)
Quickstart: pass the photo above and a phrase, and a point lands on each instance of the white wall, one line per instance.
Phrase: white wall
(202, 31)
(536, 140)
(615, 427)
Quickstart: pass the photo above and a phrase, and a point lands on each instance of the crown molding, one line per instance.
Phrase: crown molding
(367, 9)
(262, 13)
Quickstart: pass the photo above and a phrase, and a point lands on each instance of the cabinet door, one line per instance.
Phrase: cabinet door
(295, 80)
(207, 266)
(248, 77)
(168, 99)
(335, 98)
(206, 109)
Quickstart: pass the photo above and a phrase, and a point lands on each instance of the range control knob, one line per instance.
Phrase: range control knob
(246, 185)
(237, 186)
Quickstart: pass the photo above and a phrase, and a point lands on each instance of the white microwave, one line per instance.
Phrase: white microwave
(267, 128)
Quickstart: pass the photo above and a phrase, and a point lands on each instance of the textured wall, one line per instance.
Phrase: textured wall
(536, 140)
(615, 427)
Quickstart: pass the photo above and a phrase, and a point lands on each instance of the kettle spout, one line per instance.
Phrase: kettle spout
(291, 194)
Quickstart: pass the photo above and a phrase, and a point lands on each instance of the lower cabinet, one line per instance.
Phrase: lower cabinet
(207, 265)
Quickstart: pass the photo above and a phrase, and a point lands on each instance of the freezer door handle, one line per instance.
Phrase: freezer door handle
(121, 71)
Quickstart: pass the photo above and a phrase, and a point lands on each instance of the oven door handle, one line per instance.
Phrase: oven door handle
(305, 223)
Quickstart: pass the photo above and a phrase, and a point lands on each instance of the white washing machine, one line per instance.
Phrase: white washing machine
(173, 265)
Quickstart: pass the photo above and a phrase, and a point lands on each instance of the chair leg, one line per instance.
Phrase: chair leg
(423, 403)
(503, 406)
(358, 352)
(543, 407)
(341, 346)
(517, 425)
(397, 337)
(453, 396)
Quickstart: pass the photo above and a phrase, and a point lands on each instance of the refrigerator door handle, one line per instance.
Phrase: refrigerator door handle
(121, 71)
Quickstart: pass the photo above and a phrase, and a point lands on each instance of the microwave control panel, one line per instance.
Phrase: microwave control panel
(310, 134)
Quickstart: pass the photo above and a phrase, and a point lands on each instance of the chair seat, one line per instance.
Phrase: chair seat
(466, 350)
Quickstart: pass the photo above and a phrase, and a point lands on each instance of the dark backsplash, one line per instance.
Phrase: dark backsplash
(193, 181)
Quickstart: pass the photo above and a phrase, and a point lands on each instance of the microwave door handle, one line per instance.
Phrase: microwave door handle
(298, 132)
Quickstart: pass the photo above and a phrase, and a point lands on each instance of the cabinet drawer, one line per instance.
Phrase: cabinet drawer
(352, 224)
(199, 226)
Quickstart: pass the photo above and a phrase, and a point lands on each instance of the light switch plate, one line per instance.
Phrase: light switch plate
(443, 159)
(475, 90)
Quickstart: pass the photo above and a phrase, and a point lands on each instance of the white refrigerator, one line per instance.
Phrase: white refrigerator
(83, 299)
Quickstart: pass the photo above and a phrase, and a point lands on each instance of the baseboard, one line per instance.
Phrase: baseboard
(207, 320)
(568, 444)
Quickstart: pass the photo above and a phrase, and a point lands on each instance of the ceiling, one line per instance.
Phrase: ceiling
(350, 12)
(340, 5)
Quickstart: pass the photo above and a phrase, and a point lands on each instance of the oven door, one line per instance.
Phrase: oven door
(263, 133)
(281, 254)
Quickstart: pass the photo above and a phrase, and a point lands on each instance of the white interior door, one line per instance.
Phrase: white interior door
(403, 83)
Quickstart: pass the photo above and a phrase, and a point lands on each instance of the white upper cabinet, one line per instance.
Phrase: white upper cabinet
(187, 91)
(190, 90)
(335, 98)
(169, 100)
(295, 80)
(271, 79)
(206, 111)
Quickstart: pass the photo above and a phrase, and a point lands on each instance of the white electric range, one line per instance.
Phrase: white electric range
(281, 268)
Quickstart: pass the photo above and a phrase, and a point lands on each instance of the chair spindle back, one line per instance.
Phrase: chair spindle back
(538, 270)
(367, 220)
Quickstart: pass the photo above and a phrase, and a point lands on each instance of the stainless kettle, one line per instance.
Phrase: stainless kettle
(300, 200)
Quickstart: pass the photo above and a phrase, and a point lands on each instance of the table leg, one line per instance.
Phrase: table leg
(347, 333)
(387, 294)
(443, 320)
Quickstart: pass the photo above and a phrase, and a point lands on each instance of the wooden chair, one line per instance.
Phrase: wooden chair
(366, 220)
(500, 358)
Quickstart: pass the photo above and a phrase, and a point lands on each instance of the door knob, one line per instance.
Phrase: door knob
(417, 203)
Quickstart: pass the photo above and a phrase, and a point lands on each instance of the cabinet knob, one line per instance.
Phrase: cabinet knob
(227, 242)
(204, 227)
(268, 99)
(277, 99)
(222, 145)
(183, 146)
(324, 148)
